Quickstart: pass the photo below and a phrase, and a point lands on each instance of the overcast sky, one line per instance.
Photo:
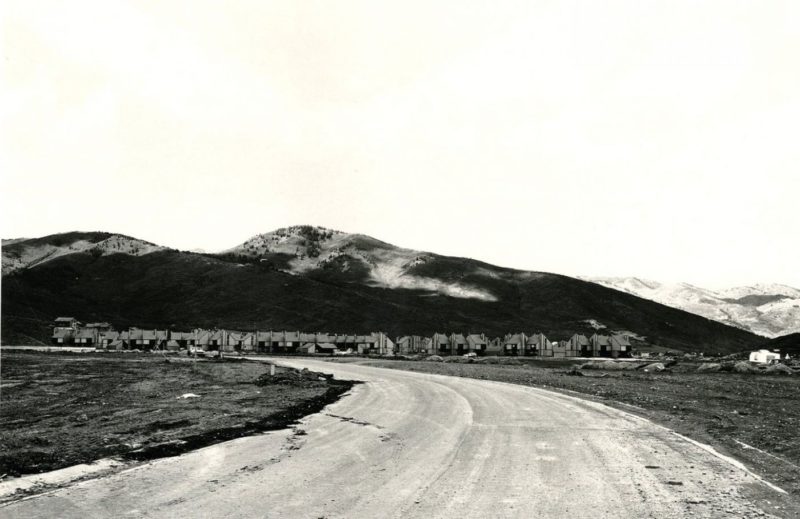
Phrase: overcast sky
(656, 139)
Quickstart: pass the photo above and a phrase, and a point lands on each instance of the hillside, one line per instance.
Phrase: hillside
(24, 253)
(769, 310)
(785, 344)
(315, 279)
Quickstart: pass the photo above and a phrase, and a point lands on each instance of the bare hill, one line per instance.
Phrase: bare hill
(315, 279)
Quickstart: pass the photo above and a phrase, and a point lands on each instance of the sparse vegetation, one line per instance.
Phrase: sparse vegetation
(61, 409)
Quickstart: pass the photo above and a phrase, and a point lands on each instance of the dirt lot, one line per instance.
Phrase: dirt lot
(61, 409)
(722, 409)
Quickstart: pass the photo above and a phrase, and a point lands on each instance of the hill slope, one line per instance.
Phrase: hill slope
(314, 279)
(768, 310)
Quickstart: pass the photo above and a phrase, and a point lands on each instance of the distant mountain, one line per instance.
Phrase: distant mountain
(316, 279)
(765, 309)
(24, 253)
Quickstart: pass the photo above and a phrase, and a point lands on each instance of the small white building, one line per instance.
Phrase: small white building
(764, 357)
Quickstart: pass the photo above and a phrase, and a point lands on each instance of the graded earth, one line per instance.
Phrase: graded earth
(418, 445)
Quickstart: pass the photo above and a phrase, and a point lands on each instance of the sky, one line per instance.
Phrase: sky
(658, 139)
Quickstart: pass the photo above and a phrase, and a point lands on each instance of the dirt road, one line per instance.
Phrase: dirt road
(416, 445)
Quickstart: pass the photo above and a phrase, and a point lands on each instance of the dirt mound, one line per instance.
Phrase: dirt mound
(656, 367)
(779, 369)
(291, 377)
(434, 358)
(711, 367)
(744, 367)
(609, 365)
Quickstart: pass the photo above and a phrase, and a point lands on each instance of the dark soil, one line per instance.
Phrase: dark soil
(62, 409)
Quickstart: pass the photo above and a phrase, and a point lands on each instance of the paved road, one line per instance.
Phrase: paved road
(414, 445)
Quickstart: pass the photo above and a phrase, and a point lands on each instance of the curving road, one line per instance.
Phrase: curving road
(414, 445)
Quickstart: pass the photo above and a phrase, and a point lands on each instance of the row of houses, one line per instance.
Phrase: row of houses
(517, 344)
(68, 331)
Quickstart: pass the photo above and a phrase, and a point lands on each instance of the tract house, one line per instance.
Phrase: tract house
(538, 345)
(514, 344)
(64, 330)
(601, 346)
(458, 344)
(440, 344)
(108, 338)
(240, 342)
(477, 343)
(86, 337)
(580, 346)
(620, 346)
(410, 344)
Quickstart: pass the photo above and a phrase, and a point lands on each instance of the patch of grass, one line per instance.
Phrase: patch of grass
(61, 409)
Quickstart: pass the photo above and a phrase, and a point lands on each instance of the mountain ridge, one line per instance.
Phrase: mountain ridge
(770, 310)
(312, 278)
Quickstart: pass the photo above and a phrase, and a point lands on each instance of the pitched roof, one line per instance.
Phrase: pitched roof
(110, 335)
(65, 319)
(458, 338)
(517, 338)
(579, 340)
(85, 334)
(539, 339)
(620, 340)
(475, 339)
(62, 334)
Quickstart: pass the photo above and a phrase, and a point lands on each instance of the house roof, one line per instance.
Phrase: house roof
(601, 340)
(620, 340)
(65, 319)
(62, 334)
(439, 338)
(579, 340)
(539, 339)
(109, 335)
(326, 346)
(474, 338)
(517, 338)
(85, 334)
(458, 338)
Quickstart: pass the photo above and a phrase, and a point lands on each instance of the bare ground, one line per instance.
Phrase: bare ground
(62, 409)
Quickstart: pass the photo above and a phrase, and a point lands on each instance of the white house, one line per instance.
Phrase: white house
(764, 357)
